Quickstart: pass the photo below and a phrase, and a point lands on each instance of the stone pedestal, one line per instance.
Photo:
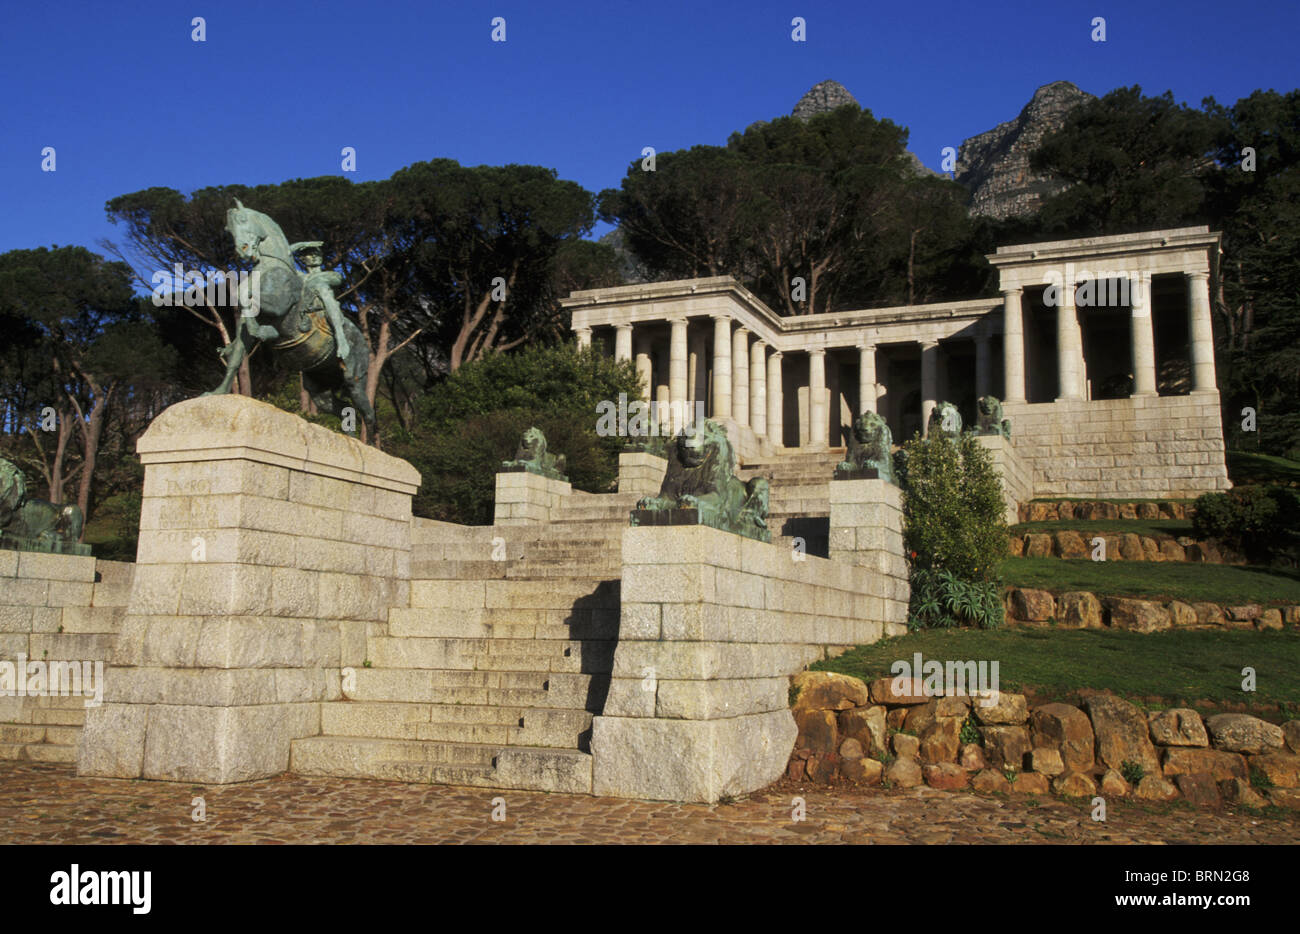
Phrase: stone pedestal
(524, 498)
(1017, 478)
(269, 548)
(641, 473)
(866, 530)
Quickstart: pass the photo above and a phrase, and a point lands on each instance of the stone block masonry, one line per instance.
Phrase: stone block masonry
(524, 498)
(1015, 471)
(712, 625)
(269, 550)
(55, 608)
(1152, 447)
(866, 530)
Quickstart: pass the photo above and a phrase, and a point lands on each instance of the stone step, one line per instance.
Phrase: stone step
(504, 688)
(38, 752)
(523, 768)
(601, 565)
(502, 726)
(521, 594)
(504, 622)
(521, 655)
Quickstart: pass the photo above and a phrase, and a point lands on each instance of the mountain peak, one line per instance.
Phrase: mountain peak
(822, 97)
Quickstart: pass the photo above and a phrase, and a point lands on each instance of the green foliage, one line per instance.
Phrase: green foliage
(970, 732)
(473, 421)
(1259, 778)
(1261, 521)
(953, 514)
(941, 599)
(1133, 772)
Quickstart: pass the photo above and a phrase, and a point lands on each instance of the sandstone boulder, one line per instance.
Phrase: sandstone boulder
(906, 746)
(867, 726)
(1007, 709)
(1005, 746)
(1128, 510)
(971, 757)
(1208, 614)
(1269, 619)
(1047, 761)
(895, 719)
(945, 775)
(851, 749)
(1177, 726)
(1038, 545)
(1291, 735)
(1137, 615)
(1239, 732)
(905, 692)
(862, 771)
(1031, 605)
(941, 740)
(1239, 791)
(1074, 785)
(1042, 512)
(1065, 510)
(1067, 729)
(1081, 610)
(1170, 550)
(1151, 550)
(1148, 510)
(1281, 768)
(1121, 732)
(1199, 789)
(1016, 546)
(1245, 613)
(1155, 788)
(1031, 783)
(1130, 547)
(988, 781)
(1113, 785)
(827, 690)
(1070, 544)
(817, 731)
(1287, 798)
(1192, 761)
(903, 773)
(1181, 613)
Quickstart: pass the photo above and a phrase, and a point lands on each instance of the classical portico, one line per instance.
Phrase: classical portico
(1103, 331)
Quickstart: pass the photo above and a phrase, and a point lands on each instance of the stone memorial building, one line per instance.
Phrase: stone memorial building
(1100, 348)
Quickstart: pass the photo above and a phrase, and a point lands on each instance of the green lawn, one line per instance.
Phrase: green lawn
(1250, 467)
(1171, 528)
(1194, 668)
(1171, 580)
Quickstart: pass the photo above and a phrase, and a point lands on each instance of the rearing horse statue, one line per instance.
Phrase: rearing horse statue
(307, 332)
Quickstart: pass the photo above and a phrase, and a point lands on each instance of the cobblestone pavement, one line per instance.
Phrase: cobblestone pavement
(42, 803)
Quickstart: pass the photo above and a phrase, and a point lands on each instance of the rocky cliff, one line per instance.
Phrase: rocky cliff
(994, 166)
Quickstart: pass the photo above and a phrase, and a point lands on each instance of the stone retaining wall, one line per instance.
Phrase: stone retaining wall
(1080, 609)
(55, 608)
(1120, 546)
(1162, 447)
(712, 625)
(868, 734)
(1017, 476)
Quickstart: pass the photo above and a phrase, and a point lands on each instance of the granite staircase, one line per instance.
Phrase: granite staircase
(800, 495)
(493, 673)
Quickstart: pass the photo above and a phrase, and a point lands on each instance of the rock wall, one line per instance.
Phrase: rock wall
(1158, 447)
(868, 734)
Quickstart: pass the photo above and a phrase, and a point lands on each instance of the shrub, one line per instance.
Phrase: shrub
(940, 599)
(953, 514)
(1260, 521)
(1133, 772)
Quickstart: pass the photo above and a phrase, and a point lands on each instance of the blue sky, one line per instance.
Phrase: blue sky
(128, 101)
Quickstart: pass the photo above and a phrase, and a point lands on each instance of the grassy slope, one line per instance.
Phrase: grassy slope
(1215, 583)
(1181, 667)
(1171, 528)
(1249, 467)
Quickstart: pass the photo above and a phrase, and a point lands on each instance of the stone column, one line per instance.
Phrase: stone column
(817, 415)
(866, 379)
(775, 400)
(1069, 352)
(623, 342)
(983, 374)
(1202, 332)
(929, 382)
(584, 337)
(1013, 347)
(645, 370)
(758, 387)
(677, 373)
(697, 371)
(1142, 336)
(721, 366)
(740, 376)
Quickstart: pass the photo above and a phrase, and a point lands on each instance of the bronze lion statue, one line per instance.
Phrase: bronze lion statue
(701, 476)
(34, 523)
(531, 456)
(870, 447)
(990, 420)
(944, 420)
